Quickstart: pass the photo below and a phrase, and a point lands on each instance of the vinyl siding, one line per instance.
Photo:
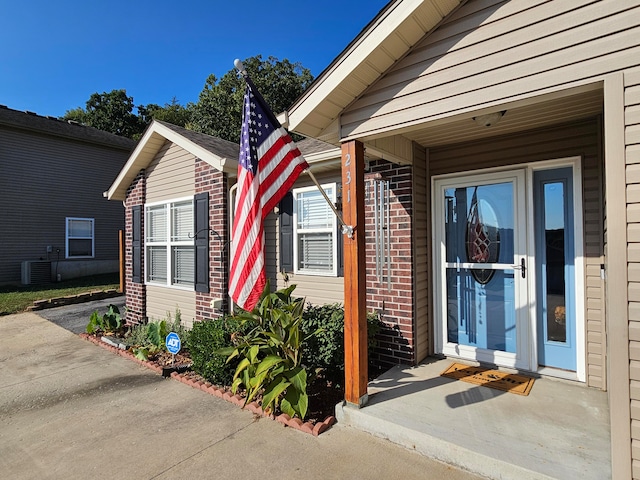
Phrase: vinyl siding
(171, 174)
(492, 52)
(43, 180)
(421, 245)
(317, 289)
(577, 139)
(163, 301)
(632, 141)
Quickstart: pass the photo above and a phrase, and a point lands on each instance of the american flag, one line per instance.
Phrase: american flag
(269, 165)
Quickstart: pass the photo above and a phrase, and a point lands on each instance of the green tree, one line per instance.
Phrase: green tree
(76, 115)
(218, 111)
(111, 112)
(171, 112)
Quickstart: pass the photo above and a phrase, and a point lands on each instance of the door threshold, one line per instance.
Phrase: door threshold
(558, 373)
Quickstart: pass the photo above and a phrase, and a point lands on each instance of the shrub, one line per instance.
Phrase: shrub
(205, 339)
(325, 350)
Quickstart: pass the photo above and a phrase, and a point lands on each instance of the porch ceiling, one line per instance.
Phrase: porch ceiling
(551, 109)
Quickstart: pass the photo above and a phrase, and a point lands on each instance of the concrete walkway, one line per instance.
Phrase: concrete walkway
(71, 410)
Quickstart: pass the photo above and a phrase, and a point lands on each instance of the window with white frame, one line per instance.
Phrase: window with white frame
(169, 243)
(79, 237)
(315, 247)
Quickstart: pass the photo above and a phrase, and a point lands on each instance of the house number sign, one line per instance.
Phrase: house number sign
(349, 183)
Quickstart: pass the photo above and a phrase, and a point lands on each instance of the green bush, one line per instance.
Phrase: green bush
(325, 350)
(204, 340)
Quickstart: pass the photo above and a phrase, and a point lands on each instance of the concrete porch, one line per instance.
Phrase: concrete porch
(560, 430)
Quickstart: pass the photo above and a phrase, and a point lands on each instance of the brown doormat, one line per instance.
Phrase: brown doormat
(509, 382)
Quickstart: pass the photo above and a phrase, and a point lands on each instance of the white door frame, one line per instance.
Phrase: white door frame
(526, 357)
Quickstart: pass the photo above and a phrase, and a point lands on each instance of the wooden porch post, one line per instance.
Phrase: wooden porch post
(355, 312)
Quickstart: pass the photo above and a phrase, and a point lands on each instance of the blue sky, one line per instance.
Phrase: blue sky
(54, 55)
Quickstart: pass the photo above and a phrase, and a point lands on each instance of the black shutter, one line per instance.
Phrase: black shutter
(136, 236)
(201, 220)
(286, 233)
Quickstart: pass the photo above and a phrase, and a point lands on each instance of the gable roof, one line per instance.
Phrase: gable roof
(61, 128)
(387, 38)
(221, 154)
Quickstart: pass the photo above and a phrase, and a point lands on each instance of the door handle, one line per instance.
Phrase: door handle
(522, 267)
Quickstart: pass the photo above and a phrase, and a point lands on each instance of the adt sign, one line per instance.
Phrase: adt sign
(173, 343)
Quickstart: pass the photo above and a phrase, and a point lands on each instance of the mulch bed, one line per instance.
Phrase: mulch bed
(323, 396)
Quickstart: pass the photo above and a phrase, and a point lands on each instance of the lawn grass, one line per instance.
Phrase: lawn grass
(15, 299)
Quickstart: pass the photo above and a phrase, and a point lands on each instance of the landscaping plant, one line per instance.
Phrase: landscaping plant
(205, 340)
(147, 340)
(325, 349)
(270, 353)
(109, 323)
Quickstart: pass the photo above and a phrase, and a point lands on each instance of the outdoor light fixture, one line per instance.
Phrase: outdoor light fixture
(489, 119)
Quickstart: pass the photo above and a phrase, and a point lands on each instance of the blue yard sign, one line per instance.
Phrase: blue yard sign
(173, 343)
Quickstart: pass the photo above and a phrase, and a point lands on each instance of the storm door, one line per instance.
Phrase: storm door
(482, 286)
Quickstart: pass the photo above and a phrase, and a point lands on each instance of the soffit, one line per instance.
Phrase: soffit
(533, 113)
(389, 36)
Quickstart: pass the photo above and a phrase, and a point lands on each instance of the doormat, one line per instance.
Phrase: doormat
(508, 382)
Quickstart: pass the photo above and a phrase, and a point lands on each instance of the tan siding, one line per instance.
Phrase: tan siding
(632, 140)
(576, 139)
(501, 53)
(163, 301)
(421, 288)
(171, 174)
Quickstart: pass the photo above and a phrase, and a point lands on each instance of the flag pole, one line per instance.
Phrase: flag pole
(346, 229)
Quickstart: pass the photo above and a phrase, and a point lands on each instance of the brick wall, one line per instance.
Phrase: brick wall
(208, 179)
(391, 296)
(135, 292)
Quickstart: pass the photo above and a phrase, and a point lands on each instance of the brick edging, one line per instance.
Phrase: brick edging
(207, 387)
(72, 299)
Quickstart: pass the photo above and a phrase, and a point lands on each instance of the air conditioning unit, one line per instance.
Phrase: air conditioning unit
(36, 272)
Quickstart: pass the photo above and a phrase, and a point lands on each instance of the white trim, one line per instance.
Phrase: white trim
(167, 243)
(67, 238)
(334, 226)
(148, 147)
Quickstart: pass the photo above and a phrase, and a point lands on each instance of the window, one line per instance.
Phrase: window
(170, 256)
(79, 237)
(315, 225)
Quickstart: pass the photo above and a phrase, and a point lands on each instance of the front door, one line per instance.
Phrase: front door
(506, 282)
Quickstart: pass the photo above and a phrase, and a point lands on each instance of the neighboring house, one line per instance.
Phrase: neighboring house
(510, 133)
(55, 222)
